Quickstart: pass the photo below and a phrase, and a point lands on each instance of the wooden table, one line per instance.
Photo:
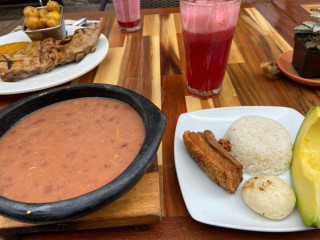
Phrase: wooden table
(151, 62)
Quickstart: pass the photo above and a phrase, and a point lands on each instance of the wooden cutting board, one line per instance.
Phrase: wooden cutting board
(140, 206)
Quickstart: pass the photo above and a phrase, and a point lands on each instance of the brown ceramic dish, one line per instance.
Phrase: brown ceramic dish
(285, 64)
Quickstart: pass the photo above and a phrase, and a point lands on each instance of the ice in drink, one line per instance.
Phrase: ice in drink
(128, 14)
(208, 28)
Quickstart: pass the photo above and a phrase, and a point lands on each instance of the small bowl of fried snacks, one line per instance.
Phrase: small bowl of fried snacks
(43, 22)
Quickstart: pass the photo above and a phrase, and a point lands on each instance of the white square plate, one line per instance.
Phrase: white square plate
(205, 200)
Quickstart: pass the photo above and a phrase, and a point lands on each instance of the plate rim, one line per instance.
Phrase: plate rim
(179, 128)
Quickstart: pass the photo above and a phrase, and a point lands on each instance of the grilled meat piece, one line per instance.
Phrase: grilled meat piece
(43, 56)
(221, 151)
(225, 144)
(219, 165)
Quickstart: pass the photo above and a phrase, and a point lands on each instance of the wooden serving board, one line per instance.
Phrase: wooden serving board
(142, 204)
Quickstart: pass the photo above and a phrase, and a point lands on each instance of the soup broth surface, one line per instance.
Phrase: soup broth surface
(68, 149)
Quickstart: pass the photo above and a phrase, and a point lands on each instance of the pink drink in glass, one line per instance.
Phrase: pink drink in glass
(208, 28)
(128, 14)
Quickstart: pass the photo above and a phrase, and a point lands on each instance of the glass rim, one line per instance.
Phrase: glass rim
(207, 2)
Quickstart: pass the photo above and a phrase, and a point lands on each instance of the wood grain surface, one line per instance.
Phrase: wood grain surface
(141, 205)
(151, 62)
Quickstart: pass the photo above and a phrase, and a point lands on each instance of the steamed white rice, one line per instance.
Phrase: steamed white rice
(262, 145)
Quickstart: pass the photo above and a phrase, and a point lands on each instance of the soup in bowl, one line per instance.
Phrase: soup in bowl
(69, 151)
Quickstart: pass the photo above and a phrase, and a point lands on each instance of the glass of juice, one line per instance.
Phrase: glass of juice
(207, 27)
(128, 14)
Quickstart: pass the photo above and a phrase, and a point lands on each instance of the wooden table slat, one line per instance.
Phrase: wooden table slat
(151, 62)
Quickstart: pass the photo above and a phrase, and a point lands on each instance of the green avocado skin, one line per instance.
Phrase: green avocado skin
(307, 190)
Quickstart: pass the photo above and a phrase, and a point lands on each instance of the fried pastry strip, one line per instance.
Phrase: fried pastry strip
(219, 165)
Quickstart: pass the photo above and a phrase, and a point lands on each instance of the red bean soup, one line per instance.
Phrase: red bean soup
(68, 149)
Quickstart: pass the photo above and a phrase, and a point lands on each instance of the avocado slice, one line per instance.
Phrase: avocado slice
(305, 168)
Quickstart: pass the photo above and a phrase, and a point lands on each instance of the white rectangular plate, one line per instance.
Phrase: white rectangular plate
(205, 200)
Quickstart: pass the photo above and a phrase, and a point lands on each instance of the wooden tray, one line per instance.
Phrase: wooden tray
(141, 205)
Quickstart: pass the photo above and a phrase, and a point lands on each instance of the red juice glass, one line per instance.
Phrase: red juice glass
(208, 27)
(128, 14)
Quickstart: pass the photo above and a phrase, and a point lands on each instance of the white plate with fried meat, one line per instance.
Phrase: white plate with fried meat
(60, 60)
(212, 191)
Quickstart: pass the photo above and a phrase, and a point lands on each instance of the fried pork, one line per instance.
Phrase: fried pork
(219, 165)
(43, 56)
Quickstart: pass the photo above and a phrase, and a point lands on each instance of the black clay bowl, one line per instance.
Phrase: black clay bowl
(155, 123)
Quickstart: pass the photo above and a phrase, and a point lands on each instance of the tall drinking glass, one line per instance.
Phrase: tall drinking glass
(208, 27)
(128, 14)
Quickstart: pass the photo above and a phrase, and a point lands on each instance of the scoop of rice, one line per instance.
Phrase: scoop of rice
(262, 145)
